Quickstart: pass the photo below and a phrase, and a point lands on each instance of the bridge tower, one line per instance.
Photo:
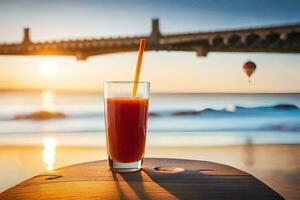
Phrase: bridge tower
(26, 36)
(155, 34)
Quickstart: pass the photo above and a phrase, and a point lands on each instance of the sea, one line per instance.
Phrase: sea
(174, 119)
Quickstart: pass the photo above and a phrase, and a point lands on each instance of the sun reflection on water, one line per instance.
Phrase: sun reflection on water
(49, 152)
(48, 100)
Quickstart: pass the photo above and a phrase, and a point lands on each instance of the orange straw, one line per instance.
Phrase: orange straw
(138, 67)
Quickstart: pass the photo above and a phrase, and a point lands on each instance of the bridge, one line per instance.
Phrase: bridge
(276, 39)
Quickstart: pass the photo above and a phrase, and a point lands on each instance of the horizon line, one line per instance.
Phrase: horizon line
(162, 92)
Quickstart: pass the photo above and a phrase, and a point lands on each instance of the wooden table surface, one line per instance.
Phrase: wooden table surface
(160, 179)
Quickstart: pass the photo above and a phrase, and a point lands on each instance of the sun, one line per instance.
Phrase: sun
(49, 68)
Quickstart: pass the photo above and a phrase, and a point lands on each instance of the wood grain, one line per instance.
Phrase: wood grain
(94, 180)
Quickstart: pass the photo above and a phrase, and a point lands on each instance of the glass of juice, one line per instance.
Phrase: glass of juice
(126, 124)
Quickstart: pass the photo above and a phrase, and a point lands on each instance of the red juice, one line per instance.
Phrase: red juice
(126, 125)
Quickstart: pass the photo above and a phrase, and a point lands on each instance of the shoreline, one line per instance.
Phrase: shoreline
(158, 139)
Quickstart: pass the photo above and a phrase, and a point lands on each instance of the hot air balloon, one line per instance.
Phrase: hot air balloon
(249, 68)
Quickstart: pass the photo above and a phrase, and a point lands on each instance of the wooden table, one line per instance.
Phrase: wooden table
(160, 179)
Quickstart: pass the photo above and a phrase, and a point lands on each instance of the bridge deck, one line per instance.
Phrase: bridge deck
(280, 39)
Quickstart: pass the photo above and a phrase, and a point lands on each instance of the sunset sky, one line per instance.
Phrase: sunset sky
(167, 71)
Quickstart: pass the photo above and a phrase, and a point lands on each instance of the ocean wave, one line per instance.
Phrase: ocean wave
(238, 110)
(281, 127)
(274, 127)
(231, 110)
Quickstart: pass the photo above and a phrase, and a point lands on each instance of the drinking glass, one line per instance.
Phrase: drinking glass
(126, 124)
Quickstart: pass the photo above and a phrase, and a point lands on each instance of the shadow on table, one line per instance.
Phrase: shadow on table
(190, 184)
(129, 185)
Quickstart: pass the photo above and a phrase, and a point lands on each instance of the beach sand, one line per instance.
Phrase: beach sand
(276, 165)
